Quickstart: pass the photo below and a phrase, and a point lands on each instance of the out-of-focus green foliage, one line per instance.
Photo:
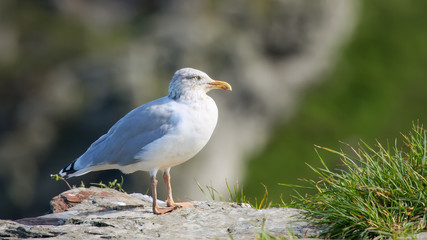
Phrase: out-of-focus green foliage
(377, 88)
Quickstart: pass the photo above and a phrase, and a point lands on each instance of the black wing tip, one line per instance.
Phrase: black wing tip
(68, 170)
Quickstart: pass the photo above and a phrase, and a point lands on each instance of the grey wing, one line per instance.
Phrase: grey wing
(128, 136)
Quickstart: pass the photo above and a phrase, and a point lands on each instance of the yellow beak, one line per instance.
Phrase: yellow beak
(220, 85)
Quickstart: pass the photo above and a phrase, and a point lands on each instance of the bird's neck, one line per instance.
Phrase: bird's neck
(188, 96)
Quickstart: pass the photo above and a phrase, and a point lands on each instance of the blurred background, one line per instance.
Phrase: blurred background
(303, 72)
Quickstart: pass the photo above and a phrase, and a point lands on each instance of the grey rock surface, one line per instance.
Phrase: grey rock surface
(109, 214)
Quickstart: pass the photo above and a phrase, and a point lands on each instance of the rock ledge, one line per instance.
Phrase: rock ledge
(95, 213)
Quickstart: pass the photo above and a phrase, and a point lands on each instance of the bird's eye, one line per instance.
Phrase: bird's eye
(196, 77)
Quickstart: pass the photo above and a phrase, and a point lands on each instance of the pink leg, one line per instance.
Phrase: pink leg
(156, 208)
(169, 200)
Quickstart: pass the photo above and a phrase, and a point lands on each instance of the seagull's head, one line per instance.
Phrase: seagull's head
(188, 82)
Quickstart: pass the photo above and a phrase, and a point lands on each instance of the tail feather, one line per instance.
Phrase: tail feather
(68, 170)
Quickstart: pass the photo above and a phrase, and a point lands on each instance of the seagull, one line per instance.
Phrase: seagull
(157, 135)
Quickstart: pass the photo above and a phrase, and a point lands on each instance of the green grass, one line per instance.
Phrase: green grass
(263, 234)
(380, 192)
(235, 194)
(112, 185)
(57, 178)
